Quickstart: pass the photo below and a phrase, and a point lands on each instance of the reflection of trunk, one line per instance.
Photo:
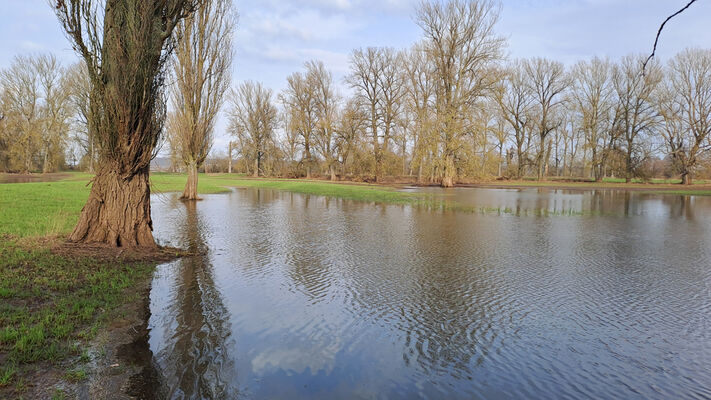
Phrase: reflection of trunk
(118, 211)
(190, 192)
(197, 363)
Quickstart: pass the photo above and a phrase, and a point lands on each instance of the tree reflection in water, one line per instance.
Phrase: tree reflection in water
(195, 361)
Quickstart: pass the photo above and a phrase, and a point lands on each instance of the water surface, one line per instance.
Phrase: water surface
(597, 294)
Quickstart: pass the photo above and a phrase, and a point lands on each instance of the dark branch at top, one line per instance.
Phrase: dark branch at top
(659, 33)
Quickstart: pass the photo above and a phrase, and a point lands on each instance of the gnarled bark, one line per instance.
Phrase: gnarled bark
(118, 211)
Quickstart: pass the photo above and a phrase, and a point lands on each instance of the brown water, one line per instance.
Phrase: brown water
(299, 296)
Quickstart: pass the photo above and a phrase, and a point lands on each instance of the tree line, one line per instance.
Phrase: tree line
(449, 108)
(452, 108)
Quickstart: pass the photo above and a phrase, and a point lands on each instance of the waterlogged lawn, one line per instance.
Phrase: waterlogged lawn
(52, 208)
(50, 306)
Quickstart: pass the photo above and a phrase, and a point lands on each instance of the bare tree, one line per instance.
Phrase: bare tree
(636, 112)
(55, 110)
(593, 96)
(22, 103)
(515, 99)
(352, 125)
(203, 58)
(79, 97)
(366, 69)
(547, 81)
(299, 100)
(460, 42)
(419, 93)
(125, 45)
(253, 120)
(685, 106)
(326, 101)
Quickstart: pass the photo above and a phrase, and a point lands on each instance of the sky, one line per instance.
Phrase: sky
(276, 37)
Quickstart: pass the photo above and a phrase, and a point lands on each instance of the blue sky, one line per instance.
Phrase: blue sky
(275, 37)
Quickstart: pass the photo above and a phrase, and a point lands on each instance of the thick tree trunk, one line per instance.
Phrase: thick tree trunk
(332, 171)
(118, 212)
(629, 170)
(256, 167)
(190, 192)
(685, 178)
(448, 172)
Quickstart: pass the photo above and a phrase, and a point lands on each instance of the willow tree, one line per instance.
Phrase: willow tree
(462, 46)
(203, 57)
(125, 45)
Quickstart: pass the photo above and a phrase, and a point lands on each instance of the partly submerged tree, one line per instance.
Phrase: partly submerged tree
(125, 45)
(203, 57)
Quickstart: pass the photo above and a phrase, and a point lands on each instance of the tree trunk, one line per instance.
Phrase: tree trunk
(45, 163)
(190, 192)
(448, 172)
(685, 178)
(256, 167)
(118, 212)
(332, 171)
(229, 159)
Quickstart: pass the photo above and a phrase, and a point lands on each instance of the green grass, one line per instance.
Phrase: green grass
(52, 303)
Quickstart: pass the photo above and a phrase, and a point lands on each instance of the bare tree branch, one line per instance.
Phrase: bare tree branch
(659, 33)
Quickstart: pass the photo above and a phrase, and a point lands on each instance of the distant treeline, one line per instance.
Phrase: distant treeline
(43, 108)
(449, 108)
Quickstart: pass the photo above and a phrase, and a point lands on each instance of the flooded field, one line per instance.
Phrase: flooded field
(598, 294)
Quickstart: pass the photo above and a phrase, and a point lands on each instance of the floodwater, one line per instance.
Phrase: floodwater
(597, 294)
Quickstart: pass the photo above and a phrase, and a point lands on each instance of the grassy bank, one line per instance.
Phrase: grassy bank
(51, 305)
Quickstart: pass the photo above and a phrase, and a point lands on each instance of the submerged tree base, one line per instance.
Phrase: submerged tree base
(191, 186)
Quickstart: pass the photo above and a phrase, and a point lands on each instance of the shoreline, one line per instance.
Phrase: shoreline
(106, 352)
